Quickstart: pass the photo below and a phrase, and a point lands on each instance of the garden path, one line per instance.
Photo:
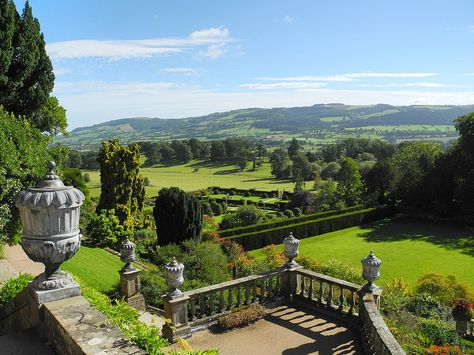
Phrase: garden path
(285, 330)
(20, 261)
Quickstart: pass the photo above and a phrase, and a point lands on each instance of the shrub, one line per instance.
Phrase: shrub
(164, 254)
(105, 230)
(206, 208)
(146, 181)
(297, 212)
(153, 287)
(273, 257)
(444, 288)
(247, 215)
(144, 239)
(241, 317)
(87, 178)
(288, 213)
(247, 194)
(341, 270)
(13, 286)
(424, 305)
(216, 208)
(226, 223)
(280, 214)
(436, 332)
(308, 263)
(224, 207)
(395, 296)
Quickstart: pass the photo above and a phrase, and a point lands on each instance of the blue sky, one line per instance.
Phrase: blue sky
(170, 59)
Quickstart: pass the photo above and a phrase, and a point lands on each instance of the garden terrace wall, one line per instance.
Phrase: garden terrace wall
(285, 222)
(260, 239)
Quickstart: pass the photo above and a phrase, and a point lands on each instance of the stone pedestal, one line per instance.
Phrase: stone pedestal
(176, 312)
(44, 296)
(130, 288)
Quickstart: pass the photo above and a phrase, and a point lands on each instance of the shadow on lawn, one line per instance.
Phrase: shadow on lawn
(449, 236)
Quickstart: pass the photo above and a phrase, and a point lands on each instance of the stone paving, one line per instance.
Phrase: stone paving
(287, 331)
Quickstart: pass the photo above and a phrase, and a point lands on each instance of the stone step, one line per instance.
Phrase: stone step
(24, 343)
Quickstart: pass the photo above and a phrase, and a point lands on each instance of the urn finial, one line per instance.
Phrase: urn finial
(370, 271)
(291, 249)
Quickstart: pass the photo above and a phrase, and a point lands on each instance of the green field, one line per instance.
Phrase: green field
(408, 248)
(406, 128)
(96, 267)
(187, 178)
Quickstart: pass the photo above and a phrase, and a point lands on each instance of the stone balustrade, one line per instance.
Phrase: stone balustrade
(327, 292)
(470, 327)
(377, 338)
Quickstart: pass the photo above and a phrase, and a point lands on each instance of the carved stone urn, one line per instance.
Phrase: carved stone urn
(127, 254)
(50, 217)
(174, 277)
(291, 249)
(370, 271)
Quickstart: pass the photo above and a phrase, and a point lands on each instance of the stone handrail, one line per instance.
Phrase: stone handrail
(377, 337)
(328, 292)
(207, 303)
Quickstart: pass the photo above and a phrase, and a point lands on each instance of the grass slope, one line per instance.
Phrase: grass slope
(408, 248)
(185, 177)
(96, 267)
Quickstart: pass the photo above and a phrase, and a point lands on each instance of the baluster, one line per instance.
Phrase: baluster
(329, 300)
(229, 299)
(239, 296)
(302, 286)
(310, 289)
(277, 285)
(192, 309)
(247, 293)
(262, 290)
(351, 303)
(221, 301)
(321, 290)
(254, 292)
(341, 299)
(202, 307)
(211, 303)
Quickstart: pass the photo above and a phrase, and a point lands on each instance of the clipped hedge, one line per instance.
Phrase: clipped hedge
(260, 239)
(285, 222)
(253, 192)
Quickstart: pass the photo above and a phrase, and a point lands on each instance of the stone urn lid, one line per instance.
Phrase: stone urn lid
(49, 193)
(371, 260)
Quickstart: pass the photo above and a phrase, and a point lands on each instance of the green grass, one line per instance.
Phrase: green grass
(96, 267)
(185, 177)
(408, 248)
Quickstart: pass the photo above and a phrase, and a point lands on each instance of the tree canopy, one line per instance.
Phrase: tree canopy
(26, 72)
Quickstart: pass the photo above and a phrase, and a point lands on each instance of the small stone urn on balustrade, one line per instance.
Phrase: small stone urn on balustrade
(174, 278)
(130, 277)
(291, 250)
(50, 217)
(370, 271)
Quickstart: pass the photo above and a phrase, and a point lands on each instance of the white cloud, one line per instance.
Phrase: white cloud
(350, 76)
(298, 85)
(180, 70)
(471, 29)
(395, 85)
(290, 19)
(214, 51)
(93, 102)
(120, 49)
(60, 71)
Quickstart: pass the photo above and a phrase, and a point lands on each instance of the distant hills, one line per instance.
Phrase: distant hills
(316, 124)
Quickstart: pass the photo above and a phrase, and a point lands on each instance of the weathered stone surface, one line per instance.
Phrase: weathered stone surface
(44, 296)
(74, 327)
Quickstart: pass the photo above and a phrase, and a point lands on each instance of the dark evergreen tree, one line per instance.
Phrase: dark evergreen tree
(349, 183)
(294, 148)
(218, 151)
(26, 72)
(122, 187)
(178, 216)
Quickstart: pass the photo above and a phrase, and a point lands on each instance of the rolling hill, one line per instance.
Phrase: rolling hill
(318, 124)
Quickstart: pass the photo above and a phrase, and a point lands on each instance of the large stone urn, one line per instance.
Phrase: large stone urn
(50, 217)
(291, 250)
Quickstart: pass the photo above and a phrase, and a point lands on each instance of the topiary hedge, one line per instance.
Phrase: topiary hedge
(285, 222)
(260, 239)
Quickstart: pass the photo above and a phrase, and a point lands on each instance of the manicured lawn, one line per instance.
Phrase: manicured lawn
(96, 267)
(187, 178)
(408, 248)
